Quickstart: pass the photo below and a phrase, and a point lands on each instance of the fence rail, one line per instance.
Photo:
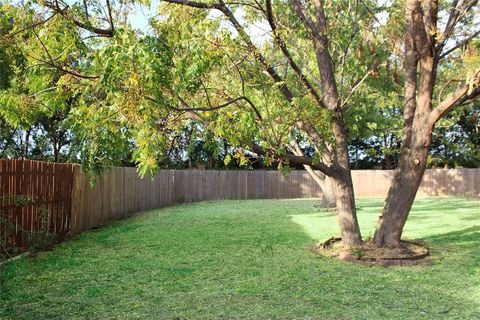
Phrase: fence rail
(75, 206)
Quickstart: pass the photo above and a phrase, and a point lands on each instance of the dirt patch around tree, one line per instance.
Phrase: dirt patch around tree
(409, 253)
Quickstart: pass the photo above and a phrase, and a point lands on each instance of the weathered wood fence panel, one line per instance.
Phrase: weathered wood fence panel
(127, 193)
(32, 193)
(75, 205)
(436, 182)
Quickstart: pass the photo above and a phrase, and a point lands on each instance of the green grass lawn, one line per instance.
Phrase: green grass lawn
(248, 260)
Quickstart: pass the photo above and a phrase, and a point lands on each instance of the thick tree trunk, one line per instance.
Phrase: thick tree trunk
(400, 198)
(346, 211)
(325, 183)
(408, 176)
(329, 199)
(417, 128)
(322, 180)
(343, 187)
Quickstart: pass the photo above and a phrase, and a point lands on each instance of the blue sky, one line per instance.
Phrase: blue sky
(141, 15)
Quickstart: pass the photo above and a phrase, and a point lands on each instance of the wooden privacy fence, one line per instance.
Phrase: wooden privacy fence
(75, 206)
(32, 193)
(121, 192)
(435, 182)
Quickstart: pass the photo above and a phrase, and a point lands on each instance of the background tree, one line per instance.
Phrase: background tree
(456, 139)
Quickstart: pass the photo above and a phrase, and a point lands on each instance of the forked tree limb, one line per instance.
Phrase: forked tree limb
(284, 89)
(317, 33)
(281, 43)
(460, 44)
(256, 148)
(298, 152)
(463, 94)
(457, 11)
(65, 12)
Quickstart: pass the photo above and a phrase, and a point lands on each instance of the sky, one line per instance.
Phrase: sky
(142, 14)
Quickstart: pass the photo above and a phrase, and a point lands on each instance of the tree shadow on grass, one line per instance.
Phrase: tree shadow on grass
(452, 275)
(458, 252)
(466, 240)
(470, 217)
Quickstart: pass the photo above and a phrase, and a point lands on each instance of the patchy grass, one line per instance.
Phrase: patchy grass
(249, 260)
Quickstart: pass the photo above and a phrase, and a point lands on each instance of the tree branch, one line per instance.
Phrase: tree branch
(324, 61)
(318, 179)
(61, 69)
(31, 26)
(468, 91)
(301, 160)
(197, 4)
(211, 108)
(307, 21)
(452, 20)
(246, 39)
(459, 44)
(65, 13)
(286, 53)
(313, 135)
(457, 11)
(258, 55)
(109, 9)
(357, 84)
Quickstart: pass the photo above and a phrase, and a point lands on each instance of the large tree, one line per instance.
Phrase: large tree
(426, 48)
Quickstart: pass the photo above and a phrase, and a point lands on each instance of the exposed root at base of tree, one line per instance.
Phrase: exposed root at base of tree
(409, 253)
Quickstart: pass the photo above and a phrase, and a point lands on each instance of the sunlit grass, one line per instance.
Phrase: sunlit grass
(429, 217)
(248, 260)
